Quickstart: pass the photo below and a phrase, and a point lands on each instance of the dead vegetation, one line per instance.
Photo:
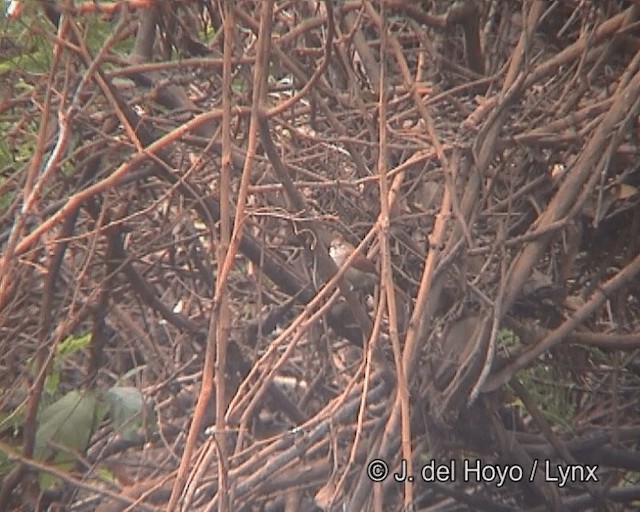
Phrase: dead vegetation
(171, 179)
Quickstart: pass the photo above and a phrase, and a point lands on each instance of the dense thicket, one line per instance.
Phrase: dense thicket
(172, 176)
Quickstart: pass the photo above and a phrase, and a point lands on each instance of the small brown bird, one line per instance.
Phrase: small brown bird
(362, 274)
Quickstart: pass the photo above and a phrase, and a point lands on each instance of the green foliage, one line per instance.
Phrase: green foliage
(239, 85)
(65, 349)
(508, 338)
(27, 49)
(64, 430)
(72, 344)
(98, 30)
(126, 410)
(550, 391)
(65, 427)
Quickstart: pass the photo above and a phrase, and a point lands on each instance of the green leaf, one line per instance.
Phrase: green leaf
(52, 382)
(73, 344)
(126, 405)
(66, 423)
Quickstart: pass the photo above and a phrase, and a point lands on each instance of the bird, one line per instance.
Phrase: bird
(362, 274)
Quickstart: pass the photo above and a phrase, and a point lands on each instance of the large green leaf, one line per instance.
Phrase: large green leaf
(64, 429)
(126, 406)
